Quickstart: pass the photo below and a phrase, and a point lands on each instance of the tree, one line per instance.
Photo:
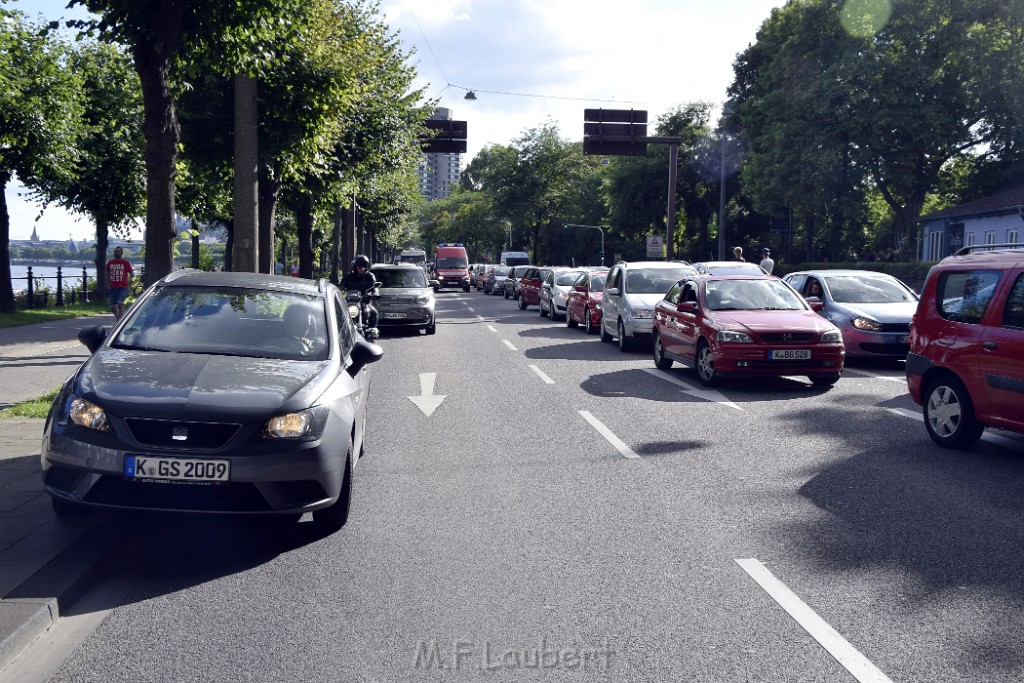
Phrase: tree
(163, 35)
(108, 183)
(40, 119)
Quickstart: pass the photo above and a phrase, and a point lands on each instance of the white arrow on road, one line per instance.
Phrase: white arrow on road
(427, 401)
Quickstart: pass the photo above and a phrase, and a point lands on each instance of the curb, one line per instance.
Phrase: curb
(31, 609)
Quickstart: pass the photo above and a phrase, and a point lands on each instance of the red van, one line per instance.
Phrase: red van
(451, 267)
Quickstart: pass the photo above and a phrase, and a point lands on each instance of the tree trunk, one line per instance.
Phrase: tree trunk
(304, 236)
(102, 243)
(195, 244)
(153, 60)
(339, 225)
(269, 191)
(6, 289)
(246, 194)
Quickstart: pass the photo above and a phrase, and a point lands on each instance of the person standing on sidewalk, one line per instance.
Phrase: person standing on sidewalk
(767, 262)
(119, 277)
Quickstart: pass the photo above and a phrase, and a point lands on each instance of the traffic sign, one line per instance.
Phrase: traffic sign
(615, 132)
(654, 246)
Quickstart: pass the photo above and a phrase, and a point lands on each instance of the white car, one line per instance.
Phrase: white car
(630, 294)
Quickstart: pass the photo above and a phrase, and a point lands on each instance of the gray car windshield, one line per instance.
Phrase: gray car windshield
(848, 289)
(400, 278)
(654, 280)
(228, 321)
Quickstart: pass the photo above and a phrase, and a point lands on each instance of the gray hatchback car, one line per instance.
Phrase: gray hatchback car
(217, 393)
(406, 298)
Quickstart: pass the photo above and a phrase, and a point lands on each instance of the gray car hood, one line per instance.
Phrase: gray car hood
(198, 386)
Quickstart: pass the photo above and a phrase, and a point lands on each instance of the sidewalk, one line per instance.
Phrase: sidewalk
(35, 359)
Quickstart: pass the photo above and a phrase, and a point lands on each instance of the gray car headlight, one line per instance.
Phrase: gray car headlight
(424, 299)
(866, 324)
(86, 414)
(302, 425)
(640, 313)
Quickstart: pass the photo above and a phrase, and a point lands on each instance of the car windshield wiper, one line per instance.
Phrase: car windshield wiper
(136, 347)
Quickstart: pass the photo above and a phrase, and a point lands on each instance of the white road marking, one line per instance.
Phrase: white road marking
(427, 401)
(987, 435)
(491, 328)
(509, 344)
(481, 317)
(607, 433)
(901, 380)
(699, 392)
(830, 639)
(540, 373)
(470, 309)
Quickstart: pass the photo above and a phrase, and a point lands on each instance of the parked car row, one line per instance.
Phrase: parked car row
(963, 339)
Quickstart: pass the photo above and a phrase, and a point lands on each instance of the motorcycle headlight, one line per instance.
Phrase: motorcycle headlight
(303, 425)
(832, 336)
(353, 311)
(86, 414)
(734, 337)
(866, 324)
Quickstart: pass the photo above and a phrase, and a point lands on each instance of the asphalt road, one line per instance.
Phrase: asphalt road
(569, 513)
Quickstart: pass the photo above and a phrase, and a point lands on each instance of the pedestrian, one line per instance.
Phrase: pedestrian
(119, 278)
(766, 260)
(737, 254)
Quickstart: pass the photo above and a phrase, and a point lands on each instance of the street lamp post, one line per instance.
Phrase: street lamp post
(594, 227)
(726, 112)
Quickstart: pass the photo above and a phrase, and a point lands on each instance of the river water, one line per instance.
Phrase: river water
(71, 274)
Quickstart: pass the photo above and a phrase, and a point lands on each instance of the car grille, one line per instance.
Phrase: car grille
(787, 337)
(191, 436)
(239, 497)
(903, 328)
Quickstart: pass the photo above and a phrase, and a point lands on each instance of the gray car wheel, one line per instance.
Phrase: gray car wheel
(706, 366)
(331, 519)
(588, 322)
(624, 342)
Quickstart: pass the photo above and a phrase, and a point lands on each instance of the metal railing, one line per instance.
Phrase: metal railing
(30, 296)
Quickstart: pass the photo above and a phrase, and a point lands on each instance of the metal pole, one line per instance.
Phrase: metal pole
(602, 244)
(670, 227)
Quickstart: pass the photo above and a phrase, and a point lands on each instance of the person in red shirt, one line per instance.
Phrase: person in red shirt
(119, 277)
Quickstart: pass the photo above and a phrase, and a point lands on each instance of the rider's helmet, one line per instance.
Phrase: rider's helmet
(360, 260)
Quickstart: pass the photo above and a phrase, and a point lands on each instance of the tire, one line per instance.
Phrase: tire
(543, 313)
(705, 366)
(505, 293)
(624, 343)
(432, 328)
(660, 361)
(824, 380)
(554, 313)
(569, 321)
(66, 509)
(522, 302)
(333, 518)
(466, 288)
(605, 337)
(588, 322)
(949, 414)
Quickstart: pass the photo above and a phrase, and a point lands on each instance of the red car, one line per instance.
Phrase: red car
(966, 360)
(745, 325)
(583, 306)
(528, 291)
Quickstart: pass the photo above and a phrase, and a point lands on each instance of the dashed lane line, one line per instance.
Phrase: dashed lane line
(847, 655)
(492, 328)
(540, 373)
(509, 344)
(615, 441)
(706, 394)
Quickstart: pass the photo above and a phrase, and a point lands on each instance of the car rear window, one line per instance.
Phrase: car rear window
(964, 296)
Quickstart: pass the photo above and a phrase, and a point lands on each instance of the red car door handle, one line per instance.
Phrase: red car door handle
(990, 346)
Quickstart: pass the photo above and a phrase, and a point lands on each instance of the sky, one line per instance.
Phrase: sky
(530, 62)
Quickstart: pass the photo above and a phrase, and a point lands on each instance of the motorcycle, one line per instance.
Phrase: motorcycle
(359, 305)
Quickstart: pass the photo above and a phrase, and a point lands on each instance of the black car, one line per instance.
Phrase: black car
(217, 393)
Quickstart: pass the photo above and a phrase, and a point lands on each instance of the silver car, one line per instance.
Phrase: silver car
(555, 292)
(406, 298)
(225, 393)
(872, 309)
(495, 283)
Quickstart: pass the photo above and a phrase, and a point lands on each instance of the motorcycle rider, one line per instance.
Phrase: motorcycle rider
(362, 280)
